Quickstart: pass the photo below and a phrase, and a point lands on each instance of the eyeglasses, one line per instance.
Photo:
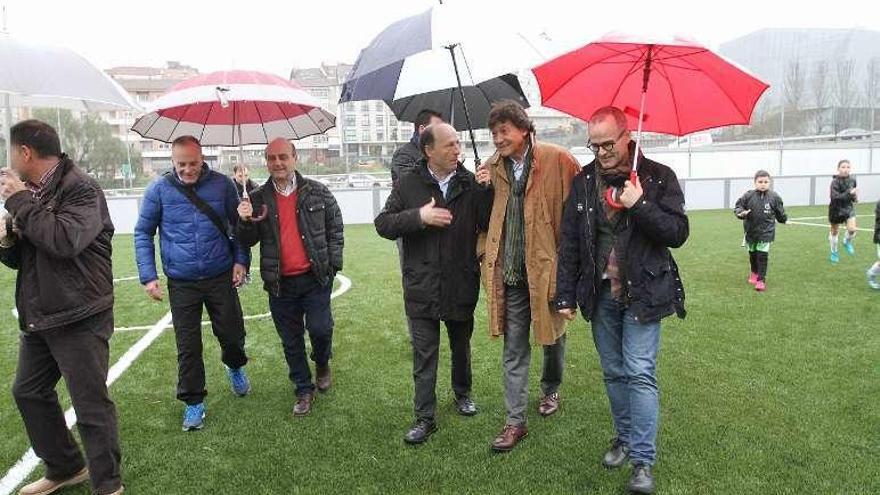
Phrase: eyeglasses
(608, 146)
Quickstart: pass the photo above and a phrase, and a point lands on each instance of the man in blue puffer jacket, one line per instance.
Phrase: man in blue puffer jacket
(204, 266)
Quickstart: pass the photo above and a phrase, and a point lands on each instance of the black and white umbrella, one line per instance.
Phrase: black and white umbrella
(451, 103)
(442, 60)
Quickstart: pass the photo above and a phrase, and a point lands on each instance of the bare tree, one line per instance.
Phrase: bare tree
(845, 93)
(820, 92)
(871, 90)
(794, 96)
(794, 86)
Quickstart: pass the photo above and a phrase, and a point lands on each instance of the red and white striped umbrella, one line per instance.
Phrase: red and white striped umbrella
(234, 108)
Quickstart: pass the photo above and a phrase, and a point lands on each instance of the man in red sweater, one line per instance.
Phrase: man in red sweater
(301, 244)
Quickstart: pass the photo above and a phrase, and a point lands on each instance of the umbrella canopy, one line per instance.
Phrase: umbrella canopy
(448, 102)
(35, 75)
(412, 56)
(234, 108)
(687, 88)
(437, 50)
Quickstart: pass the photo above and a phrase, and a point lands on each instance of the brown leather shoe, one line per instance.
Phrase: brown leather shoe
(509, 437)
(303, 404)
(549, 404)
(322, 378)
(45, 486)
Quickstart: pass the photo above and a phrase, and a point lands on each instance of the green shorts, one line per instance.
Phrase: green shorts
(763, 247)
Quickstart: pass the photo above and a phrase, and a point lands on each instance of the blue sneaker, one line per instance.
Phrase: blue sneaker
(194, 417)
(872, 281)
(241, 386)
(850, 249)
(834, 257)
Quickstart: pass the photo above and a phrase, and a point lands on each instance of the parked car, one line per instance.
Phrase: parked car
(368, 180)
(853, 133)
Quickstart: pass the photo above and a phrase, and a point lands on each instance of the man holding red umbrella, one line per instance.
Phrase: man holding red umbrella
(616, 265)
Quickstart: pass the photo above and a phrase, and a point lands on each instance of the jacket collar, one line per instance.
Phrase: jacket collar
(203, 176)
(64, 166)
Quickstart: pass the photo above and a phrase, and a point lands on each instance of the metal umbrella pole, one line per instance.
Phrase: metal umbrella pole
(467, 114)
(633, 175)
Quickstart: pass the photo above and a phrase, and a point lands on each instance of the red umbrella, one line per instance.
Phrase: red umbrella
(684, 85)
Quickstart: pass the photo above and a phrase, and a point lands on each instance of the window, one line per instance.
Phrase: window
(321, 93)
(351, 135)
(380, 120)
(380, 135)
(350, 119)
(380, 107)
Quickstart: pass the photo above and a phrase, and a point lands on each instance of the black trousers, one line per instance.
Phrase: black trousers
(758, 261)
(220, 298)
(425, 337)
(80, 353)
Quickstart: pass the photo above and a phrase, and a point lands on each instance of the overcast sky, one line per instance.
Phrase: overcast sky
(274, 36)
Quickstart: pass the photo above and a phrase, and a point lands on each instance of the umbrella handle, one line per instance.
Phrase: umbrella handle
(264, 212)
(611, 192)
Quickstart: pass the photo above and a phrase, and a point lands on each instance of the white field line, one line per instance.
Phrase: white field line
(344, 286)
(823, 218)
(823, 225)
(23, 468)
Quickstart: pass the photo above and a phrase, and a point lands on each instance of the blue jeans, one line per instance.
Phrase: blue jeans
(303, 304)
(628, 353)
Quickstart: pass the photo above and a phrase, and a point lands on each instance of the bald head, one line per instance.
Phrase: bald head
(280, 159)
(440, 145)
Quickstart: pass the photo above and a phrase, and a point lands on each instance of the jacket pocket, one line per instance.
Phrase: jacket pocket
(659, 284)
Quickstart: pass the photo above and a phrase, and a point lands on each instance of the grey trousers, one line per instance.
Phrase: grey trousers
(518, 354)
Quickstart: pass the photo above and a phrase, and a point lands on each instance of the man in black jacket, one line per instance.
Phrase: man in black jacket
(61, 247)
(438, 209)
(301, 241)
(409, 155)
(616, 265)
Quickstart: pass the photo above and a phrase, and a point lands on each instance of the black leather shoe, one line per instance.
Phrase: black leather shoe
(641, 480)
(420, 431)
(465, 406)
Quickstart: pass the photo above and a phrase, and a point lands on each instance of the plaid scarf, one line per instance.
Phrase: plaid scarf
(514, 225)
(613, 219)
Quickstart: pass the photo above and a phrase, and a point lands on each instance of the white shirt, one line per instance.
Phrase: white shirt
(290, 189)
(444, 183)
(519, 165)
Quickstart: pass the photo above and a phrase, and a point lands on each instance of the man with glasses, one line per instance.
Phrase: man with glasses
(616, 265)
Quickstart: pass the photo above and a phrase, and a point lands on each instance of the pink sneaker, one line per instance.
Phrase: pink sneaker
(753, 278)
(760, 286)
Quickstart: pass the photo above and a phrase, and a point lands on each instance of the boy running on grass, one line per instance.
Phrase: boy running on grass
(875, 268)
(760, 209)
(842, 209)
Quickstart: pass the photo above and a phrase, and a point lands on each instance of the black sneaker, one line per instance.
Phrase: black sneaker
(617, 455)
(641, 480)
(421, 430)
(465, 406)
